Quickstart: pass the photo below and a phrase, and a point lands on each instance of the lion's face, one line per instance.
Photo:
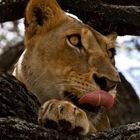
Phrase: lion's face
(65, 58)
(69, 61)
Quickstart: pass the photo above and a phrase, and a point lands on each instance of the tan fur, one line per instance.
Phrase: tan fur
(51, 64)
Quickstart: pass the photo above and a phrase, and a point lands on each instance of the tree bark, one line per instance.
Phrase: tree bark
(127, 105)
(19, 112)
(16, 100)
(106, 18)
(11, 10)
(123, 2)
(17, 129)
(14, 52)
(101, 15)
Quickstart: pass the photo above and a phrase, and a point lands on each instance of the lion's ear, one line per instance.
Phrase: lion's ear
(112, 37)
(41, 16)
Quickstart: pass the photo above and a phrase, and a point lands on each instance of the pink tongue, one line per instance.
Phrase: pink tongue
(97, 98)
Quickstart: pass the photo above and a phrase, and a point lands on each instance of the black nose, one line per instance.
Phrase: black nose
(104, 83)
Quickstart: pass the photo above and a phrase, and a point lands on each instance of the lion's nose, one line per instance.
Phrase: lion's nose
(104, 83)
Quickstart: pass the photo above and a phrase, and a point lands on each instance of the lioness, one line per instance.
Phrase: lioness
(69, 67)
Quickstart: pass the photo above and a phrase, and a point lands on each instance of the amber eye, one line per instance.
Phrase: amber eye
(75, 40)
(111, 53)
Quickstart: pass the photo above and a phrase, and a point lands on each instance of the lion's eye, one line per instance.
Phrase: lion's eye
(75, 40)
(111, 53)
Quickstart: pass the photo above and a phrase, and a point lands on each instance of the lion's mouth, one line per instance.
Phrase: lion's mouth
(84, 106)
(92, 101)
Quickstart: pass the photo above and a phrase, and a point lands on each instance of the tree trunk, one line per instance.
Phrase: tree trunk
(16, 100)
(6, 62)
(127, 106)
(17, 129)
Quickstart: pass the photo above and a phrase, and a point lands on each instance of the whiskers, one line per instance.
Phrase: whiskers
(59, 84)
(71, 96)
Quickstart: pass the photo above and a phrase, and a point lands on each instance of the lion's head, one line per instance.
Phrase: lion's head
(64, 58)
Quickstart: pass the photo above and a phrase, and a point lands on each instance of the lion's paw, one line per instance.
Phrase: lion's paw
(63, 116)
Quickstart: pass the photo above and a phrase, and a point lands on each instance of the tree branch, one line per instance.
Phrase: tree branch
(15, 129)
(102, 16)
(106, 18)
(12, 9)
(14, 52)
(123, 2)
